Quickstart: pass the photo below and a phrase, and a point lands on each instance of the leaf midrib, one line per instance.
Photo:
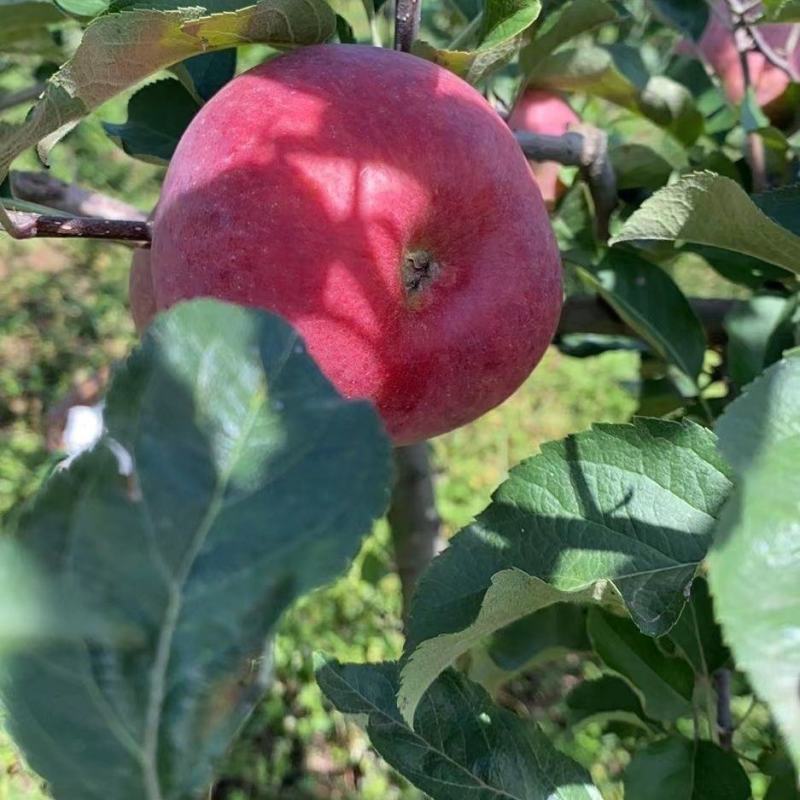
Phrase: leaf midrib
(174, 606)
(424, 742)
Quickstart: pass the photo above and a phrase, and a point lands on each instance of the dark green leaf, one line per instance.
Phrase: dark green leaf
(461, 743)
(252, 482)
(742, 269)
(659, 397)
(344, 30)
(652, 304)
(678, 769)
(782, 206)
(607, 699)
(554, 630)
(205, 74)
(687, 16)
(588, 345)
(696, 634)
(618, 514)
(158, 115)
(750, 326)
(665, 684)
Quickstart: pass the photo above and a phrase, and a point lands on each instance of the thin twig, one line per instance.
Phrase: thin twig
(25, 225)
(14, 99)
(585, 147)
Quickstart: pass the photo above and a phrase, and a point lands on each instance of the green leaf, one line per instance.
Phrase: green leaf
(620, 514)
(750, 326)
(678, 769)
(697, 636)
(120, 50)
(503, 23)
(739, 268)
(16, 15)
(687, 16)
(782, 10)
(606, 699)
(672, 107)
(664, 684)
(83, 10)
(782, 206)
(651, 303)
(616, 73)
(704, 208)
(158, 115)
(461, 743)
(344, 30)
(754, 566)
(591, 69)
(752, 117)
(562, 24)
(252, 482)
(763, 415)
(557, 629)
(206, 74)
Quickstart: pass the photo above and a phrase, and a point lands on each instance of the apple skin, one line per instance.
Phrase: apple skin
(717, 47)
(538, 111)
(373, 199)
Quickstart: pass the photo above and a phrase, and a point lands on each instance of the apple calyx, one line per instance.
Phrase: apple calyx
(420, 270)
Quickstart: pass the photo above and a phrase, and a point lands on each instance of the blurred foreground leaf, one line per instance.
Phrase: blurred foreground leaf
(754, 566)
(252, 482)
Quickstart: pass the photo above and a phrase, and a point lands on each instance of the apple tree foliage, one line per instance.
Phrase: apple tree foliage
(148, 574)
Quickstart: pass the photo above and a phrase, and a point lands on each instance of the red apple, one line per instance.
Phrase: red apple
(538, 111)
(374, 200)
(717, 47)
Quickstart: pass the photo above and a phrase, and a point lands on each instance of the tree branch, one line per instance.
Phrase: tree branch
(26, 225)
(413, 518)
(585, 147)
(406, 23)
(725, 726)
(46, 190)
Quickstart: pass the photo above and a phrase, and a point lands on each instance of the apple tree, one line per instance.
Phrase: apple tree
(351, 255)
